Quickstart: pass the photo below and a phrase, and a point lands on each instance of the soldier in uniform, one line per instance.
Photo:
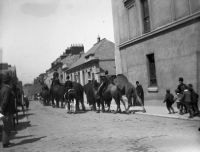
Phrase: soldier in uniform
(68, 83)
(55, 79)
(7, 108)
(68, 86)
(104, 84)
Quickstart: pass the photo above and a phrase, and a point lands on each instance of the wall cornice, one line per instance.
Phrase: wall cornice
(159, 30)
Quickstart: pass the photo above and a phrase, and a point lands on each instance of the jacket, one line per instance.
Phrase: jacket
(187, 96)
(7, 100)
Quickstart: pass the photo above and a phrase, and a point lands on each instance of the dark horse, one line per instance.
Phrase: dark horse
(90, 95)
(45, 94)
(93, 98)
(75, 93)
(57, 92)
(119, 86)
(18, 94)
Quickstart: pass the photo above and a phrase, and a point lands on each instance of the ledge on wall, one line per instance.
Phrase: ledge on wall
(152, 89)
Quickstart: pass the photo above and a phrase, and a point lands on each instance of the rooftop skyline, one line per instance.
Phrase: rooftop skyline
(36, 32)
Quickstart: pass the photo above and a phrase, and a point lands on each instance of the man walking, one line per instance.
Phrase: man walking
(140, 91)
(7, 108)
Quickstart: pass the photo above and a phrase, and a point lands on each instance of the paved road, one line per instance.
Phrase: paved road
(53, 130)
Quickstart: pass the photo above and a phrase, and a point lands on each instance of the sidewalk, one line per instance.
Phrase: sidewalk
(157, 108)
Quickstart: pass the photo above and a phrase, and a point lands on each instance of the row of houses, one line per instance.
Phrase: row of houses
(6, 68)
(81, 66)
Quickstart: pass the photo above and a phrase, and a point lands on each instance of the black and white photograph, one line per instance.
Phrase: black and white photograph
(99, 75)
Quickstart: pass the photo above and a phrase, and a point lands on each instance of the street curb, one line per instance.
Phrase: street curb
(157, 115)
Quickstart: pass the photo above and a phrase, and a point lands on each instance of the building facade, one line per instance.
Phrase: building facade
(94, 62)
(63, 62)
(157, 41)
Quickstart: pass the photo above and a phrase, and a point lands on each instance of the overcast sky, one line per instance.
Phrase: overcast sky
(33, 33)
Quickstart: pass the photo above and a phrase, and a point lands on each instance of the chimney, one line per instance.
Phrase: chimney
(98, 39)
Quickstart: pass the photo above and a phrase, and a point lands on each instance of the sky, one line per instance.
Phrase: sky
(33, 33)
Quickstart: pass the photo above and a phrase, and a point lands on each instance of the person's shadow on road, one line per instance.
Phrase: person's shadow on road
(27, 141)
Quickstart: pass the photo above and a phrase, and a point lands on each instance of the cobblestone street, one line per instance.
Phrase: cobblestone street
(53, 130)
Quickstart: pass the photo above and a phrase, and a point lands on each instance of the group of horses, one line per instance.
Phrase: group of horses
(117, 87)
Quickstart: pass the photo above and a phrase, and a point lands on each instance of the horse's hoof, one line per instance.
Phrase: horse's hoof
(144, 111)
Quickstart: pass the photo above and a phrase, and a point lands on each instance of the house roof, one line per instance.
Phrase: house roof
(102, 50)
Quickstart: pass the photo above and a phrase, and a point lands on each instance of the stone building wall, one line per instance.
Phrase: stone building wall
(173, 37)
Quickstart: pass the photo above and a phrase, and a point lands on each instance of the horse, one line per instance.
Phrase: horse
(75, 93)
(18, 95)
(93, 98)
(45, 94)
(89, 91)
(57, 92)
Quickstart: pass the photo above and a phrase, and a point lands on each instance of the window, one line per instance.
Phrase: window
(128, 3)
(145, 15)
(151, 70)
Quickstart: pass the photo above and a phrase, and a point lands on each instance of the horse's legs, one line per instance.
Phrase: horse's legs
(117, 100)
(108, 102)
(62, 100)
(57, 102)
(98, 105)
(68, 106)
(52, 100)
(94, 105)
(77, 105)
(82, 104)
(129, 103)
(123, 102)
(102, 105)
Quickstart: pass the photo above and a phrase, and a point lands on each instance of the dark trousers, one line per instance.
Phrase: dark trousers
(189, 108)
(7, 124)
(169, 107)
(195, 107)
(182, 107)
